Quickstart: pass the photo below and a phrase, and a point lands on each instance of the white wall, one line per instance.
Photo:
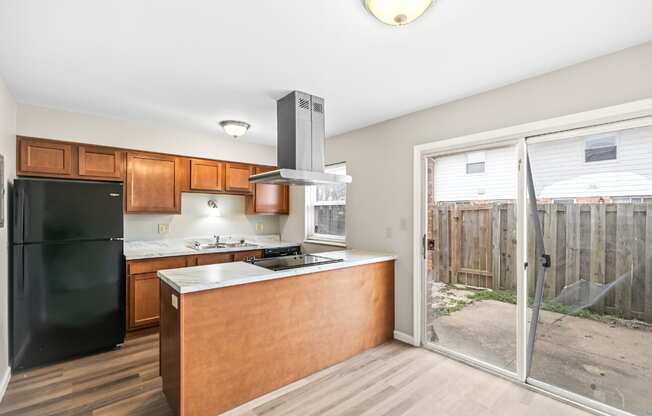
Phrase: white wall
(197, 219)
(8, 149)
(379, 157)
(64, 125)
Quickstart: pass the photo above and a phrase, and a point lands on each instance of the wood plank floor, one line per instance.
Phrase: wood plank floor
(393, 379)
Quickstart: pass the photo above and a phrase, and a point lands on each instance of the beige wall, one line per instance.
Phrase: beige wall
(379, 157)
(8, 150)
(65, 125)
(56, 124)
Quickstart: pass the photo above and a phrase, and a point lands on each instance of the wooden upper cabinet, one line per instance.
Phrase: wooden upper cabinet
(206, 175)
(101, 162)
(45, 157)
(268, 198)
(237, 177)
(153, 183)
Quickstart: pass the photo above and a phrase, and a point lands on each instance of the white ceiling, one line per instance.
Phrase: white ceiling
(191, 63)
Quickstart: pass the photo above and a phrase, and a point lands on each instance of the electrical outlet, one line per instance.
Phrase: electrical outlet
(163, 228)
(259, 227)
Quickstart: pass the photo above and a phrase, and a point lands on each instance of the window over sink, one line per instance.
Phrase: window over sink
(326, 209)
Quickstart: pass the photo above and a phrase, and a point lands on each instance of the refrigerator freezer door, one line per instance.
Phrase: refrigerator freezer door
(67, 300)
(54, 210)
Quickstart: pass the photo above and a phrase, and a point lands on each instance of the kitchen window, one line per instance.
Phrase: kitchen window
(598, 149)
(326, 209)
(475, 162)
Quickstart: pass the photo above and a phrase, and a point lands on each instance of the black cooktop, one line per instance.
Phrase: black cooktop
(292, 262)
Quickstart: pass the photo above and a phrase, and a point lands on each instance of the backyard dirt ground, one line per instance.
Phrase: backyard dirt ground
(608, 362)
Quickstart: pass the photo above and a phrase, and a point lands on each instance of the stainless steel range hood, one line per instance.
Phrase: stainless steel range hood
(300, 143)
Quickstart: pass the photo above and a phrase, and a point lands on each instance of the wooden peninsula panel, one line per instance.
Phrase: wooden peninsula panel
(237, 343)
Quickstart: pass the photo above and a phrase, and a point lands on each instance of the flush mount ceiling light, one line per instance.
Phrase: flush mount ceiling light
(397, 12)
(235, 128)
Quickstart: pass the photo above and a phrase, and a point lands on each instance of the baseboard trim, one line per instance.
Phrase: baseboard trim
(4, 383)
(403, 337)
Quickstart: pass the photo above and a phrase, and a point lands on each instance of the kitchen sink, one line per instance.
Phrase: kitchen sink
(210, 246)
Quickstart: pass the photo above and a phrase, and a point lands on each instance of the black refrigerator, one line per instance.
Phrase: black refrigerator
(67, 290)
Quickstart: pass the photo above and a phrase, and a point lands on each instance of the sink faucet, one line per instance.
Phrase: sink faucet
(217, 238)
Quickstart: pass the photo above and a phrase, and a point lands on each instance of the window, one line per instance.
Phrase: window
(327, 209)
(600, 148)
(475, 162)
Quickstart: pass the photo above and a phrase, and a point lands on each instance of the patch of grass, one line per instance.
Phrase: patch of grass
(456, 306)
(510, 297)
(497, 295)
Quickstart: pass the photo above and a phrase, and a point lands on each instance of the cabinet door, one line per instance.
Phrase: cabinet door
(270, 198)
(144, 301)
(101, 162)
(237, 177)
(214, 258)
(206, 175)
(245, 255)
(153, 183)
(45, 157)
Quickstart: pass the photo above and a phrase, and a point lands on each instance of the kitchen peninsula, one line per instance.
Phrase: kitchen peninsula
(232, 332)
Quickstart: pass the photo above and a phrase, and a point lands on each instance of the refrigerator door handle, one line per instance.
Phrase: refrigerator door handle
(20, 268)
(19, 216)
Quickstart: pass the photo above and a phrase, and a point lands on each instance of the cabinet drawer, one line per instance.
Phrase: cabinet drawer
(45, 157)
(214, 258)
(154, 265)
(244, 255)
(101, 162)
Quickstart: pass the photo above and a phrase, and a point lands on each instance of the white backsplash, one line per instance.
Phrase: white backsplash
(198, 219)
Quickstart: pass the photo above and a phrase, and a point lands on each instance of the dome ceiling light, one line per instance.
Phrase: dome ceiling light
(397, 12)
(235, 128)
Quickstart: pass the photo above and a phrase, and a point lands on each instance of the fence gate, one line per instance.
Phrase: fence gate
(463, 239)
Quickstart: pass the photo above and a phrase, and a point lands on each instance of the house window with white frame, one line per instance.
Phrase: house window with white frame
(475, 162)
(326, 209)
(600, 148)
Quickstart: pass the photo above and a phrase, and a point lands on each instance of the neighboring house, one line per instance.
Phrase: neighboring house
(612, 167)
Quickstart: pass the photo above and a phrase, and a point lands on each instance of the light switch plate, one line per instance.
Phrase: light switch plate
(175, 301)
(163, 228)
(259, 227)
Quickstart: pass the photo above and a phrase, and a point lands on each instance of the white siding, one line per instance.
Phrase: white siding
(559, 169)
(498, 181)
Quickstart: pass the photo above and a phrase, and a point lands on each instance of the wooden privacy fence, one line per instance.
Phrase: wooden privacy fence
(475, 244)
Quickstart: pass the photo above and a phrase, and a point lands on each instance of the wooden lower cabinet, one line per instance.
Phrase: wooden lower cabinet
(246, 255)
(143, 298)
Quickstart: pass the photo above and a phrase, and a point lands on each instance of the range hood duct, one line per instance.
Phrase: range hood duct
(300, 147)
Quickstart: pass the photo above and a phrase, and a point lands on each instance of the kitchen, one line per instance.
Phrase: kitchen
(198, 219)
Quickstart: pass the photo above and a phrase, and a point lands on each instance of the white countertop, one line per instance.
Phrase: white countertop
(199, 278)
(137, 250)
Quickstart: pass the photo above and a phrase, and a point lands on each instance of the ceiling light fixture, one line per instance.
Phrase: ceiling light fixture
(235, 128)
(397, 12)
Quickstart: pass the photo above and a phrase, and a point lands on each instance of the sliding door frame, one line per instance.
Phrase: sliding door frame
(628, 115)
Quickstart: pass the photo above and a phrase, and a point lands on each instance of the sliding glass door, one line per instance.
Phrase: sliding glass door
(470, 292)
(590, 266)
